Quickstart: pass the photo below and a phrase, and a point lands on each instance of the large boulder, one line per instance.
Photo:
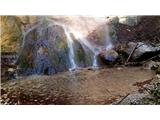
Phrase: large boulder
(141, 51)
(128, 20)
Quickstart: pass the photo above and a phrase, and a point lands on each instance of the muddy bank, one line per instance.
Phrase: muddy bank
(103, 86)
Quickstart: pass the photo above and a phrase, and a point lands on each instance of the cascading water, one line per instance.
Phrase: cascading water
(85, 42)
(71, 50)
(95, 64)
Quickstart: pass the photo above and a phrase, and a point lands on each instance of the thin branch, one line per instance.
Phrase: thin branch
(131, 53)
(123, 99)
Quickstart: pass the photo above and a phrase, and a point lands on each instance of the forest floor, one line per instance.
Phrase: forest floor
(103, 86)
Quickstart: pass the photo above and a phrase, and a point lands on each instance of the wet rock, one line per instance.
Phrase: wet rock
(152, 65)
(143, 51)
(109, 55)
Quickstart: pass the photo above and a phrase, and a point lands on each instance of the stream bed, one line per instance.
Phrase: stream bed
(84, 86)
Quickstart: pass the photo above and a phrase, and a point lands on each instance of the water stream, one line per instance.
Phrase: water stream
(71, 50)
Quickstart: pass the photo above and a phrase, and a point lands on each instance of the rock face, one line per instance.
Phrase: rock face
(142, 50)
(11, 34)
(45, 51)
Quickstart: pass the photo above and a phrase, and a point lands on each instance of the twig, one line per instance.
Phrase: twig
(122, 99)
(131, 54)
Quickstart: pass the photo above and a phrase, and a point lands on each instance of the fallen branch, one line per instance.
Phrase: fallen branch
(131, 53)
(123, 99)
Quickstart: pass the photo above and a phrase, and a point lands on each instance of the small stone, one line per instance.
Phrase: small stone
(119, 68)
(158, 76)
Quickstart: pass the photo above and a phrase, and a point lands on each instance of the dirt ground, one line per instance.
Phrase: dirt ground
(103, 86)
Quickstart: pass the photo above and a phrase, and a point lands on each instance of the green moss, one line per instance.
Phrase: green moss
(60, 44)
(80, 55)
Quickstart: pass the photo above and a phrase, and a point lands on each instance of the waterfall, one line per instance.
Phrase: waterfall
(71, 50)
(93, 49)
(85, 42)
(79, 30)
